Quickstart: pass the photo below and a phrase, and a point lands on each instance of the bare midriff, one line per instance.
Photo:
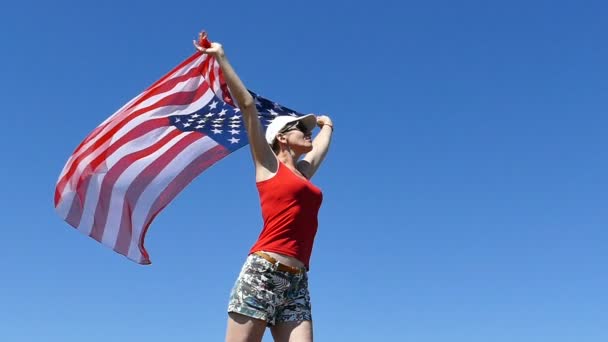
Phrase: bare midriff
(285, 259)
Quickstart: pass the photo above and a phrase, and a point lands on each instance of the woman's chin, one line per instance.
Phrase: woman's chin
(307, 148)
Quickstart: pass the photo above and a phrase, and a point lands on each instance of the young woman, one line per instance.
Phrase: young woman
(272, 287)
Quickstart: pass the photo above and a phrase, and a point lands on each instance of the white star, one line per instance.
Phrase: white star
(195, 115)
(293, 114)
(273, 113)
(202, 121)
(177, 120)
(223, 112)
(233, 140)
(236, 109)
(209, 115)
(187, 124)
(213, 105)
(216, 131)
(235, 126)
(199, 126)
(216, 126)
(278, 106)
(236, 117)
(190, 120)
(234, 131)
(220, 120)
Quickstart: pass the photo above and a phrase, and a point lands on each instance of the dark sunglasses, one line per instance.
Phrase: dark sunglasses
(293, 126)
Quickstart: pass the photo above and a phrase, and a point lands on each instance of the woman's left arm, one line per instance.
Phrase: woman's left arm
(320, 145)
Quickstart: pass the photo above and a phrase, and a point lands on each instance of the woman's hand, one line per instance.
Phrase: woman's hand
(323, 120)
(214, 49)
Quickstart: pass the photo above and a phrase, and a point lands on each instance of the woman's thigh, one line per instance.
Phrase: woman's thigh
(242, 328)
(292, 331)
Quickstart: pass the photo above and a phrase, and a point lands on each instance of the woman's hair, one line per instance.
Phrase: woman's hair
(275, 143)
(275, 146)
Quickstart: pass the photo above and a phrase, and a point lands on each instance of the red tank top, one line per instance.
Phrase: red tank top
(290, 205)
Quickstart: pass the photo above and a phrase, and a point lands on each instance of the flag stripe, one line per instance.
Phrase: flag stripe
(210, 75)
(205, 68)
(153, 162)
(111, 128)
(143, 180)
(189, 169)
(107, 185)
(177, 71)
(88, 194)
(180, 98)
(169, 110)
(183, 65)
(91, 192)
(185, 76)
(132, 105)
(225, 93)
(134, 135)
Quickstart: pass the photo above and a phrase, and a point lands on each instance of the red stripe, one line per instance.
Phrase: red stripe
(211, 74)
(161, 88)
(225, 92)
(92, 135)
(57, 192)
(139, 131)
(173, 99)
(77, 206)
(107, 185)
(176, 69)
(75, 213)
(204, 68)
(200, 164)
(141, 182)
(168, 85)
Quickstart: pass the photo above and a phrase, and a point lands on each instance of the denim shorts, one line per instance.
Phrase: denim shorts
(263, 292)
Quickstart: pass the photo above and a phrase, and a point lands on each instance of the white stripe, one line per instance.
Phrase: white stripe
(219, 91)
(163, 111)
(64, 205)
(182, 71)
(94, 188)
(216, 84)
(179, 72)
(157, 186)
(153, 99)
(123, 108)
(167, 111)
(160, 112)
(112, 227)
(187, 86)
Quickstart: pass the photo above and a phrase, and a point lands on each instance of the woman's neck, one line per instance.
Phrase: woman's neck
(288, 158)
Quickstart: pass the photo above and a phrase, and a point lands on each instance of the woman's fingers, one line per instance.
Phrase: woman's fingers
(198, 47)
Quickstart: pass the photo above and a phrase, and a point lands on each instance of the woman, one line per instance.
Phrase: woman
(272, 287)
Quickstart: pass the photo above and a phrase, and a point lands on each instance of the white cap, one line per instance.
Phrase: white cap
(278, 123)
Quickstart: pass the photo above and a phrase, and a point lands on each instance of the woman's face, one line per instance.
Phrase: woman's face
(298, 137)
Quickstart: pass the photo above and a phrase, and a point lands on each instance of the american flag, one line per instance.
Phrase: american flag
(133, 164)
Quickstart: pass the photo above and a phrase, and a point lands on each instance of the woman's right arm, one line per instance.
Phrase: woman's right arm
(263, 157)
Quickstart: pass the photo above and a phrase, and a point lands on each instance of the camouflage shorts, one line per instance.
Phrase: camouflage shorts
(265, 293)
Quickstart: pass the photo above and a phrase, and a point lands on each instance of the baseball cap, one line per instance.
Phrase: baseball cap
(278, 123)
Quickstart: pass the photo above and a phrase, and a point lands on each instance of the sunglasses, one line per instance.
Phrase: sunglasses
(296, 125)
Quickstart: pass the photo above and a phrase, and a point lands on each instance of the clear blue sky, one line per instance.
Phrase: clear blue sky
(465, 191)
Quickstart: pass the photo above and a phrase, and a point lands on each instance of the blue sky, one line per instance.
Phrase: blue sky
(465, 189)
